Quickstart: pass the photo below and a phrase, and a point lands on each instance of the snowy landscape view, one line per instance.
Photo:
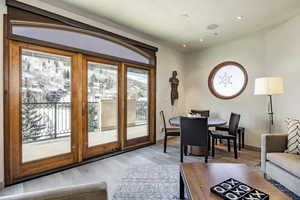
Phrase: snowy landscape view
(46, 94)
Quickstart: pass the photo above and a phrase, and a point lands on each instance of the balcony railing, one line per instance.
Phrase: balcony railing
(51, 120)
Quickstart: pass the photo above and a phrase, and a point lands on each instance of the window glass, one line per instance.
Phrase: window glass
(228, 80)
(79, 41)
(137, 103)
(46, 105)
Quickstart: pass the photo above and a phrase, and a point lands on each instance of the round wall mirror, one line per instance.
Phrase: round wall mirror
(227, 80)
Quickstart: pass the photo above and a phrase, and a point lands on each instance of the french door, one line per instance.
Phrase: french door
(139, 104)
(66, 107)
(101, 102)
(44, 116)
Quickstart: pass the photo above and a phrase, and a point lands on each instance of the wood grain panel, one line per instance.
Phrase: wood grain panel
(200, 177)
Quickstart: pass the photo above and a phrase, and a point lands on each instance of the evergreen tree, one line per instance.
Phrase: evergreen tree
(93, 117)
(32, 123)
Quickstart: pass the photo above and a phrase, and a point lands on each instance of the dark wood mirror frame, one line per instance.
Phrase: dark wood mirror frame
(216, 69)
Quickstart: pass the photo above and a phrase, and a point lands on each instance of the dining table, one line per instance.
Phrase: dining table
(211, 122)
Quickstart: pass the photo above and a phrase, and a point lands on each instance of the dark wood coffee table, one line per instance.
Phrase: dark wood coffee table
(198, 178)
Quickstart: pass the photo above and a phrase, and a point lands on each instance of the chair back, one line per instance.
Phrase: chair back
(194, 131)
(234, 123)
(203, 113)
(162, 116)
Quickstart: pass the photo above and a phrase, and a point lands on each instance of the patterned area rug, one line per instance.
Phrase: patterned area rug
(159, 182)
(149, 182)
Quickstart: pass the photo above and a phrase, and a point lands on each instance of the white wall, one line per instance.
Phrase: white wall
(272, 52)
(282, 57)
(168, 59)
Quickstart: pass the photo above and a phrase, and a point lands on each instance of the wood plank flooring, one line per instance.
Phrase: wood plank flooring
(114, 168)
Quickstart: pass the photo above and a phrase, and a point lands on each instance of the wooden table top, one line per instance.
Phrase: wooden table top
(211, 121)
(200, 177)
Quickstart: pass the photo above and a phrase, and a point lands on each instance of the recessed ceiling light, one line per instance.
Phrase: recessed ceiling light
(183, 45)
(212, 26)
(201, 40)
(185, 15)
(240, 17)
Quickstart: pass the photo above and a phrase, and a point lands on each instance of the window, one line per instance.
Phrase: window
(137, 103)
(46, 105)
(79, 39)
(228, 80)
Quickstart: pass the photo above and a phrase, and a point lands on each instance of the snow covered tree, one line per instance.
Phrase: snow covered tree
(32, 120)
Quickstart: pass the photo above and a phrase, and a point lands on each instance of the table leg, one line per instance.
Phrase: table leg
(181, 187)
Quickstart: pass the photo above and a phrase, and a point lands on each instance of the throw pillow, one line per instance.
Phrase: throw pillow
(293, 136)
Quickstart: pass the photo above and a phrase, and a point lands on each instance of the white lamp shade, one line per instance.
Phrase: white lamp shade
(268, 86)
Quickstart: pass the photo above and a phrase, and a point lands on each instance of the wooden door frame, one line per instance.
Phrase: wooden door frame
(11, 170)
(97, 150)
(140, 141)
(14, 152)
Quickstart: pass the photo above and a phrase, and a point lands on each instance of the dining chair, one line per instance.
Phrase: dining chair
(168, 131)
(240, 134)
(203, 113)
(230, 134)
(193, 132)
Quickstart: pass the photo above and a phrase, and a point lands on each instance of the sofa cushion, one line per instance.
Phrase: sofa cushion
(287, 161)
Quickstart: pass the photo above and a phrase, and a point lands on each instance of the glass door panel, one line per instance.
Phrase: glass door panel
(137, 103)
(46, 105)
(102, 103)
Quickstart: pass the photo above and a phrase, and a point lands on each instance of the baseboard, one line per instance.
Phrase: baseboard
(248, 147)
(252, 148)
(1, 185)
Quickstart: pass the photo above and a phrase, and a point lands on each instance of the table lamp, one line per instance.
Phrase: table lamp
(269, 86)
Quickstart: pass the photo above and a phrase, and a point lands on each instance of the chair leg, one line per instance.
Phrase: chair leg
(165, 144)
(240, 140)
(235, 148)
(228, 145)
(243, 138)
(181, 153)
(213, 147)
(185, 148)
(208, 142)
(206, 154)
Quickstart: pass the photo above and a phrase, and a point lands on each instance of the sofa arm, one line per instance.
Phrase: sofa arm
(272, 143)
(94, 191)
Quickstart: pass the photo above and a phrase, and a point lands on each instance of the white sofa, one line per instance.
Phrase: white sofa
(278, 165)
(94, 191)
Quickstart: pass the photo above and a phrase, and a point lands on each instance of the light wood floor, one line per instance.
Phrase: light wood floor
(113, 169)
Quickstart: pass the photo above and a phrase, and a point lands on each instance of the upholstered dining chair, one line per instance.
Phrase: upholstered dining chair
(193, 132)
(203, 113)
(168, 131)
(230, 134)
